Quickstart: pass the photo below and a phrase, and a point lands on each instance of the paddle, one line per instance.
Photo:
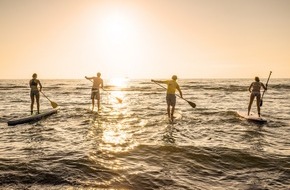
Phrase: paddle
(53, 104)
(189, 102)
(261, 101)
(119, 99)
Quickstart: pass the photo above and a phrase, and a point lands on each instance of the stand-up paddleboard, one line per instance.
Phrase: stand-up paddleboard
(95, 110)
(177, 116)
(251, 117)
(32, 118)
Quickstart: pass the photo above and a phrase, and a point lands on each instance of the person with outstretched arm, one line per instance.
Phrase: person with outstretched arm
(254, 89)
(34, 92)
(172, 85)
(97, 84)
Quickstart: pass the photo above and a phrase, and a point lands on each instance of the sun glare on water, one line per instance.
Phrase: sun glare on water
(116, 86)
(116, 139)
(119, 82)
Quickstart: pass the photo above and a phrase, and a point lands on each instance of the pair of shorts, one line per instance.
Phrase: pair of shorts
(34, 93)
(171, 99)
(95, 94)
(256, 94)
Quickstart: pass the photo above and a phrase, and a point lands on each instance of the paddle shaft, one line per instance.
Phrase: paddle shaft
(166, 89)
(190, 103)
(45, 96)
(261, 102)
(53, 104)
(119, 99)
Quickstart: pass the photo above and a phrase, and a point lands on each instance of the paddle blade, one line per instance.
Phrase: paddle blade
(119, 100)
(261, 103)
(53, 104)
(191, 104)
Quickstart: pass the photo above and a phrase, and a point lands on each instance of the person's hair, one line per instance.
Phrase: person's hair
(34, 75)
(174, 77)
(257, 79)
(98, 74)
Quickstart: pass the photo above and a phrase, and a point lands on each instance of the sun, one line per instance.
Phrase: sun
(118, 35)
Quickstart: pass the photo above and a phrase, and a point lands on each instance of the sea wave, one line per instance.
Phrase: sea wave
(132, 145)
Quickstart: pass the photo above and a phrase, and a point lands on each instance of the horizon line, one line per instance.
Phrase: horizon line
(186, 78)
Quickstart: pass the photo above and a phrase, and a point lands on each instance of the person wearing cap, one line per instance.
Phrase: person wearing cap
(97, 84)
(254, 89)
(172, 85)
(34, 92)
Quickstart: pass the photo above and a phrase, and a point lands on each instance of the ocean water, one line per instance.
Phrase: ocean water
(131, 145)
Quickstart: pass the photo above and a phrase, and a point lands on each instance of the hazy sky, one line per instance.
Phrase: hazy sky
(144, 38)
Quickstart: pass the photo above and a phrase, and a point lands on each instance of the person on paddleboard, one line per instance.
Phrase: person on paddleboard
(172, 85)
(255, 92)
(97, 84)
(34, 92)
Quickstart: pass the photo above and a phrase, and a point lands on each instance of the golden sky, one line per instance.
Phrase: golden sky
(144, 38)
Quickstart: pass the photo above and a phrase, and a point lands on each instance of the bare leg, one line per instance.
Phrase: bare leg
(250, 103)
(172, 112)
(37, 102)
(93, 103)
(98, 105)
(168, 111)
(258, 104)
(32, 103)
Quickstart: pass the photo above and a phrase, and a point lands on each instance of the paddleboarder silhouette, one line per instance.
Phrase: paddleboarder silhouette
(254, 89)
(172, 86)
(34, 92)
(95, 94)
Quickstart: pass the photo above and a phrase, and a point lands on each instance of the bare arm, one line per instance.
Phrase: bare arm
(250, 87)
(179, 90)
(40, 85)
(158, 81)
(102, 84)
(265, 87)
(89, 78)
